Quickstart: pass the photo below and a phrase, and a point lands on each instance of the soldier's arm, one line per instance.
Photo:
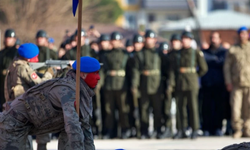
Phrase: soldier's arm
(72, 125)
(227, 68)
(135, 73)
(30, 76)
(202, 64)
(88, 135)
(54, 55)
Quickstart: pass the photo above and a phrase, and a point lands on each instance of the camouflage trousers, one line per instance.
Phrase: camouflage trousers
(240, 105)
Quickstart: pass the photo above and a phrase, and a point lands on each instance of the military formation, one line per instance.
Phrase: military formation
(140, 77)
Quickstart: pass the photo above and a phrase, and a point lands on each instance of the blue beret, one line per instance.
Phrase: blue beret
(51, 40)
(28, 50)
(88, 64)
(243, 28)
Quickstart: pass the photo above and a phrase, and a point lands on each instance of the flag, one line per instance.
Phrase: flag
(74, 6)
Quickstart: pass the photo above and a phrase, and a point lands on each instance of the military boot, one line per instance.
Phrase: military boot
(194, 135)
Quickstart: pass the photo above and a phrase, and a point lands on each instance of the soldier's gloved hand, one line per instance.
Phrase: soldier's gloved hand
(52, 71)
(136, 112)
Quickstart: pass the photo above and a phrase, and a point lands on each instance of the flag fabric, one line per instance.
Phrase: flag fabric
(74, 6)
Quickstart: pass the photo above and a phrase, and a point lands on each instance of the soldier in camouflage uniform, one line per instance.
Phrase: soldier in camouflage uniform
(237, 80)
(146, 77)
(6, 57)
(183, 78)
(241, 146)
(50, 107)
(85, 49)
(20, 77)
(114, 65)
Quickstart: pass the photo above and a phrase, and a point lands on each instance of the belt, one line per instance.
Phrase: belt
(187, 70)
(120, 73)
(151, 72)
(18, 116)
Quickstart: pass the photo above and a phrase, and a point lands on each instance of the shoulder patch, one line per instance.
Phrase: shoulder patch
(33, 75)
(201, 53)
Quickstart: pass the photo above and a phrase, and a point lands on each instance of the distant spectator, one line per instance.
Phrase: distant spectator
(213, 92)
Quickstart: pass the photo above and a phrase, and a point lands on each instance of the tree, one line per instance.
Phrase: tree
(28, 16)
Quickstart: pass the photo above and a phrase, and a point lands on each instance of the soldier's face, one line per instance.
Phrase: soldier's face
(92, 79)
(150, 42)
(9, 41)
(215, 39)
(186, 42)
(130, 49)
(244, 35)
(138, 46)
(176, 44)
(116, 43)
(41, 41)
(104, 45)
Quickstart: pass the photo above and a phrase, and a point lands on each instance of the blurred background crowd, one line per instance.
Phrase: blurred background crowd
(148, 81)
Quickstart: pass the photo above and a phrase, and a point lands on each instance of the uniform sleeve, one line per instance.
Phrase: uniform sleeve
(71, 119)
(54, 55)
(227, 68)
(135, 73)
(202, 64)
(30, 77)
(171, 73)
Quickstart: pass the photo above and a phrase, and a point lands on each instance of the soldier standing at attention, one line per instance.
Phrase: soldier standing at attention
(165, 97)
(237, 80)
(85, 49)
(20, 77)
(183, 78)
(50, 107)
(115, 88)
(44, 52)
(146, 77)
(6, 57)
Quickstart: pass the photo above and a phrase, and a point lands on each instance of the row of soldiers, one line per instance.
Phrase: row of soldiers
(135, 81)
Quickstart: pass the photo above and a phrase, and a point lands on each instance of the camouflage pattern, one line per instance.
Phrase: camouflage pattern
(237, 65)
(241, 146)
(49, 108)
(237, 73)
(20, 77)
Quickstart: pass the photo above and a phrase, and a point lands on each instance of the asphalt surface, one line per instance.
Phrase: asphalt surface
(202, 143)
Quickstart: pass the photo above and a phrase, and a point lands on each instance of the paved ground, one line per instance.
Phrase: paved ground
(212, 143)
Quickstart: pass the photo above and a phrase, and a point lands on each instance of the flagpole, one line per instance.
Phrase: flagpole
(78, 55)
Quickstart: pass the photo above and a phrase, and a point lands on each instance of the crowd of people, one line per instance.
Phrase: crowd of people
(208, 85)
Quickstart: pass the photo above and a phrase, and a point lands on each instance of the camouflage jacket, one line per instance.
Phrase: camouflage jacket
(237, 65)
(20, 77)
(50, 108)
